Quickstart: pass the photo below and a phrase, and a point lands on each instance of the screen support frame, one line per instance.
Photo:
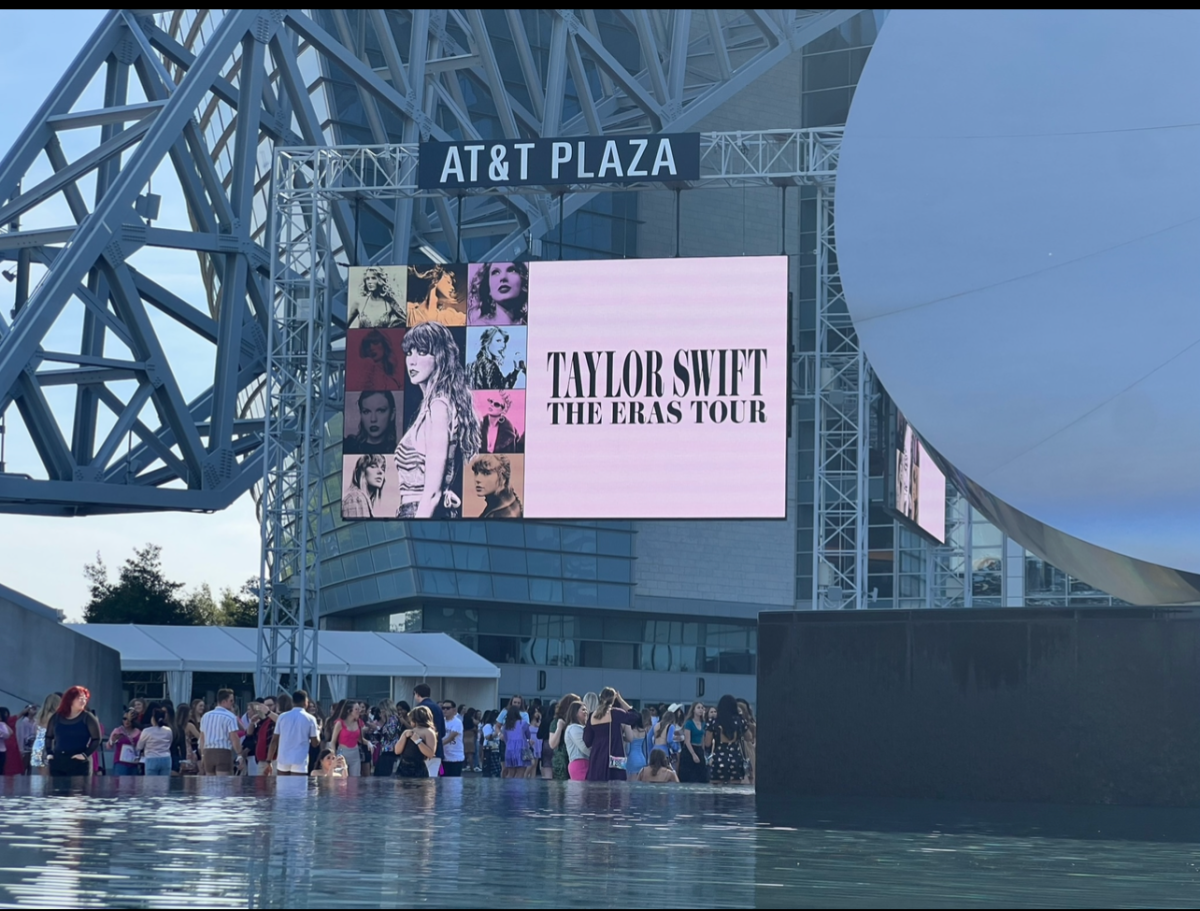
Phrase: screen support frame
(306, 334)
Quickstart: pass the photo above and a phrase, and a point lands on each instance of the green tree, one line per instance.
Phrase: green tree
(203, 607)
(230, 608)
(141, 594)
(241, 608)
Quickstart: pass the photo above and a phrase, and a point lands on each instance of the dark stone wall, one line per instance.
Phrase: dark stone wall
(38, 655)
(1098, 705)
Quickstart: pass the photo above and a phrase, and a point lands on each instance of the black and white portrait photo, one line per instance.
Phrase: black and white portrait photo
(375, 297)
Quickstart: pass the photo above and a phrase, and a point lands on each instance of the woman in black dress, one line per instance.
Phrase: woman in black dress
(728, 731)
(416, 745)
(72, 735)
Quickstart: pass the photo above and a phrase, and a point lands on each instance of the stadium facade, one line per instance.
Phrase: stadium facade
(665, 610)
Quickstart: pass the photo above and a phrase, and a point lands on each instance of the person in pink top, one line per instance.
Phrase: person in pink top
(347, 735)
(123, 743)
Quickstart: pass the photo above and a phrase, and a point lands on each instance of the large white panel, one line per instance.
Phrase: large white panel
(1018, 233)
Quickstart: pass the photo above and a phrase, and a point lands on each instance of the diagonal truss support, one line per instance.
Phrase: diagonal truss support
(160, 139)
(201, 98)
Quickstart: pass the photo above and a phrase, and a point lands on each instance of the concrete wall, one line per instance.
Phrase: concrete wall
(38, 655)
(1089, 706)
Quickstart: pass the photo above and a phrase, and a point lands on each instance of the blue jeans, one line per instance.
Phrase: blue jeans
(158, 765)
(122, 770)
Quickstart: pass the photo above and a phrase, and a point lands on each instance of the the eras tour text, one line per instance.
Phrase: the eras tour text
(703, 385)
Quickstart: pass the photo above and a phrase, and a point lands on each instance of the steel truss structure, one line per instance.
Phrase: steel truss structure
(197, 100)
(303, 367)
(159, 141)
(842, 402)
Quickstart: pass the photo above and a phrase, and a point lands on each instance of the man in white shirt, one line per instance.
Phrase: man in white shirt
(219, 740)
(295, 732)
(453, 741)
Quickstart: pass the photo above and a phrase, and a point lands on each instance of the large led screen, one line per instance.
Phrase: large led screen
(920, 486)
(610, 389)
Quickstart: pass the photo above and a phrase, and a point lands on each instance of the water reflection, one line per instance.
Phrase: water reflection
(291, 843)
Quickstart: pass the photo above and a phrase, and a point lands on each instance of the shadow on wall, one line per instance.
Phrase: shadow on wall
(42, 656)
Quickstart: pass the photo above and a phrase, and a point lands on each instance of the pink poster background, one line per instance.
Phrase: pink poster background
(665, 471)
(515, 415)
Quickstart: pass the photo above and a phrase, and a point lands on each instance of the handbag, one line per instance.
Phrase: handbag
(128, 754)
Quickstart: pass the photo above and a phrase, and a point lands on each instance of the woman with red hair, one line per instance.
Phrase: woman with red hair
(72, 735)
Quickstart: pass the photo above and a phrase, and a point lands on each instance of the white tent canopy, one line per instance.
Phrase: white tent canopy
(180, 651)
(138, 649)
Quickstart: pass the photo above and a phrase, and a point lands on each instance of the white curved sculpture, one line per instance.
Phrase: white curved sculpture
(1019, 238)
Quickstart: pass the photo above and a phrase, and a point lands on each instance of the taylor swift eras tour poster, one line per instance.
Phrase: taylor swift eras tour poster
(606, 389)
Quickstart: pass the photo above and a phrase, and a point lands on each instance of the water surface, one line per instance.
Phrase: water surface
(232, 842)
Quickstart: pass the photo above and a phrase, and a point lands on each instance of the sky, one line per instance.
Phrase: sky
(44, 557)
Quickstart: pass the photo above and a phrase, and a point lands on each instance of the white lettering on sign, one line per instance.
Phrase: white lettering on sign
(665, 158)
(579, 171)
(523, 148)
(498, 169)
(453, 165)
(560, 154)
(611, 160)
(550, 161)
(474, 150)
(632, 170)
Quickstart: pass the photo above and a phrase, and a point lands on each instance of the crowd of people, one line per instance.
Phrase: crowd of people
(594, 737)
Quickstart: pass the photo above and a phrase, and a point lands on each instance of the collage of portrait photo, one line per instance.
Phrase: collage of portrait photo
(435, 392)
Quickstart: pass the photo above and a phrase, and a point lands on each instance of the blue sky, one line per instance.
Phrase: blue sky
(44, 557)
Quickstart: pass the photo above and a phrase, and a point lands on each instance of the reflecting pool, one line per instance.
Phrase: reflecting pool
(234, 842)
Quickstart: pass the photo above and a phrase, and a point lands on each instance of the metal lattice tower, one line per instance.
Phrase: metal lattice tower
(842, 400)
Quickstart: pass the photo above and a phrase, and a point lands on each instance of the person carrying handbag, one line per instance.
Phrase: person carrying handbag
(603, 737)
(123, 742)
(518, 746)
(490, 734)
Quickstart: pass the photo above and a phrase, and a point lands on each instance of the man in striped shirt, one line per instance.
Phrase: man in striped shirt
(219, 740)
